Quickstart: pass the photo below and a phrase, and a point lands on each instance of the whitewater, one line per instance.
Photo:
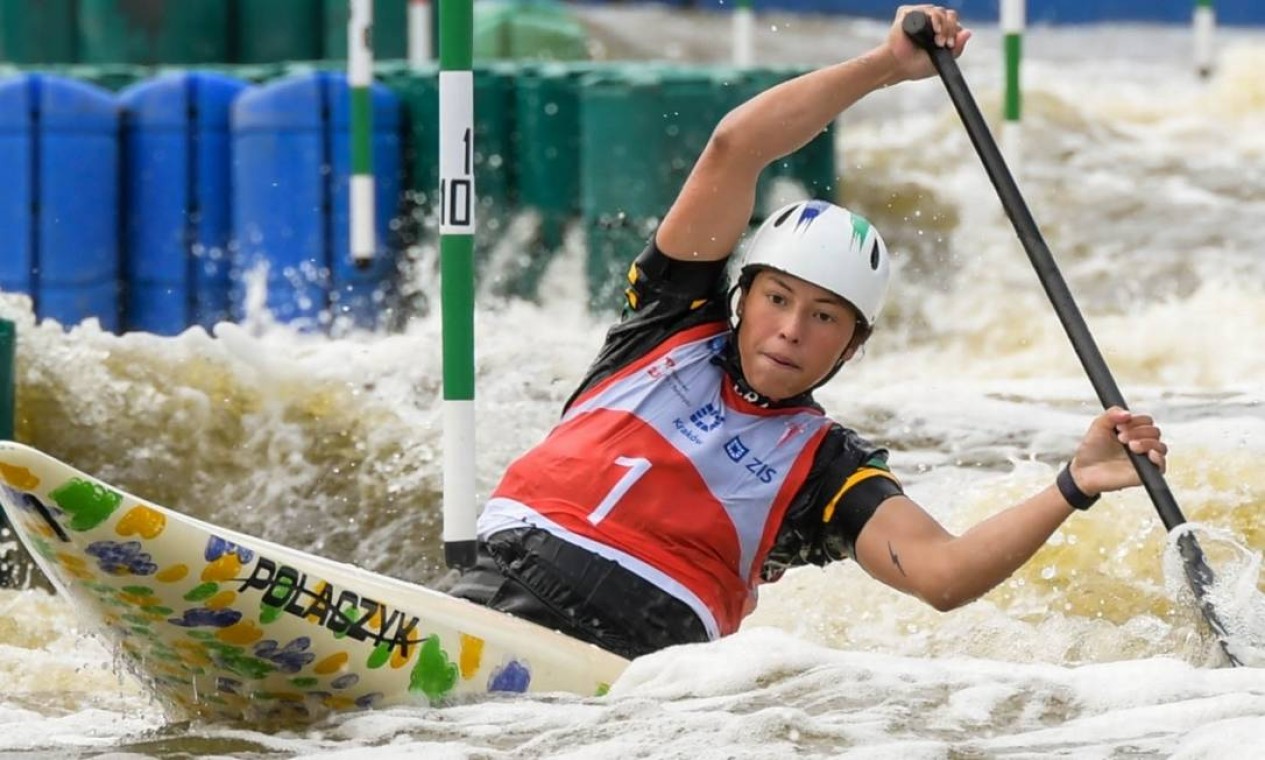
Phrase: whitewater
(1147, 184)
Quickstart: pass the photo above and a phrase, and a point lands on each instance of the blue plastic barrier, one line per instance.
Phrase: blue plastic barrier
(176, 201)
(291, 169)
(59, 197)
(1230, 12)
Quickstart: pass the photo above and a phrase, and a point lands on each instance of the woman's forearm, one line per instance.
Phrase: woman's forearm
(991, 551)
(784, 118)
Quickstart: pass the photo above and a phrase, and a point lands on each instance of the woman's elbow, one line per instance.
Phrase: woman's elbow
(731, 143)
(946, 601)
(945, 595)
(724, 141)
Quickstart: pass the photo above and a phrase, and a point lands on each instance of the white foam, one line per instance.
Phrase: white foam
(1144, 182)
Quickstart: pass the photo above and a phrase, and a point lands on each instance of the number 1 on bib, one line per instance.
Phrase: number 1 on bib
(638, 466)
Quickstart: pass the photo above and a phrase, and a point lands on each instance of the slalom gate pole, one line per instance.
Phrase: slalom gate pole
(1013, 21)
(360, 83)
(456, 262)
(744, 34)
(420, 48)
(1205, 22)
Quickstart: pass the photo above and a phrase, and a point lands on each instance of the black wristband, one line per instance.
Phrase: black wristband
(1072, 493)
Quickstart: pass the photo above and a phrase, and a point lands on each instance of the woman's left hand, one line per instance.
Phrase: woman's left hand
(1100, 463)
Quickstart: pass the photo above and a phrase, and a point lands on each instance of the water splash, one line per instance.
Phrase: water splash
(1236, 593)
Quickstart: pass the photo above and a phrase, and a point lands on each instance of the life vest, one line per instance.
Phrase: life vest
(664, 468)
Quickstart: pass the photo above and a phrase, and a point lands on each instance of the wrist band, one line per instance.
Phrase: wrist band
(1072, 493)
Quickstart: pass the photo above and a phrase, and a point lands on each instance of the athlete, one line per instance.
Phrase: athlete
(692, 464)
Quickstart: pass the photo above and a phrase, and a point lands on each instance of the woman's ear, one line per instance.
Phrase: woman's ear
(856, 344)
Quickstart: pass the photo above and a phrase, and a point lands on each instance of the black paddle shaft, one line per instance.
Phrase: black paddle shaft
(917, 26)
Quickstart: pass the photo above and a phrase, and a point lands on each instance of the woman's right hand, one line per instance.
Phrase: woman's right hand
(911, 61)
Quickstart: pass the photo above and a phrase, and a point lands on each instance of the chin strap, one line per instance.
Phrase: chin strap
(731, 363)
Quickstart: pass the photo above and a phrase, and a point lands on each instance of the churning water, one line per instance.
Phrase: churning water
(1148, 185)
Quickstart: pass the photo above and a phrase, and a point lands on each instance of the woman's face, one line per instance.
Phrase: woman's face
(792, 334)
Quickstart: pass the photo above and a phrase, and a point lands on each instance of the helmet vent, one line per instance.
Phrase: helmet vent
(785, 215)
(874, 255)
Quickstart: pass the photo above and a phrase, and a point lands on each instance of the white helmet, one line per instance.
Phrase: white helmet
(827, 246)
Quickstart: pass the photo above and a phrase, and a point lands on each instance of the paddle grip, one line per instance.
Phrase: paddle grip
(917, 27)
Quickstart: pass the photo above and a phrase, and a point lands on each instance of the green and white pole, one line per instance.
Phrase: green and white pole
(744, 34)
(456, 274)
(360, 82)
(419, 33)
(1013, 21)
(1205, 27)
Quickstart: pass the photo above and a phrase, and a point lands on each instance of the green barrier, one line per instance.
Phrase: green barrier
(547, 113)
(494, 142)
(126, 31)
(390, 29)
(260, 73)
(621, 144)
(40, 32)
(623, 187)
(113, 77)
(707, 101)
(418, 91)
(494, 148)
(643, 128)
(279, 30)
(690, 106)
(497, 142)
(547, 159)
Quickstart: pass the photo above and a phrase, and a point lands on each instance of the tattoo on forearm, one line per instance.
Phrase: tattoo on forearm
(895, 559)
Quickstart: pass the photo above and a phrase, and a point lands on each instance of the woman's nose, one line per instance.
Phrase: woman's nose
(792, 326)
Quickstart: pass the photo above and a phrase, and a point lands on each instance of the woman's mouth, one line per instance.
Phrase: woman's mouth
(781, 361)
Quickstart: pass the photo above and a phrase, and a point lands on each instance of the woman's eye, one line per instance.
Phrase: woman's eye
(777, 298)
(823, 316)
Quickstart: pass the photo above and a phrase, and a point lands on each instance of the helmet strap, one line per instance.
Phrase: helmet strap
(855, 345)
